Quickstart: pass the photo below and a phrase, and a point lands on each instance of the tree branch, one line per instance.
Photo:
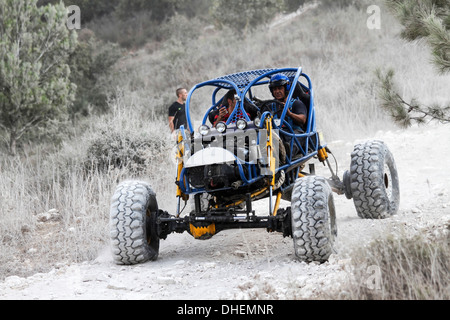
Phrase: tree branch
(404, 112)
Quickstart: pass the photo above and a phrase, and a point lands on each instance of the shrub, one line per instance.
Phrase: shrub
(333, 4)
(128, 138)
(91, 65)
(243, 16)
(121, 150)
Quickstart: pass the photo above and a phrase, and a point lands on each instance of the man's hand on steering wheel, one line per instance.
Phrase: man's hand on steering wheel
(267, 106)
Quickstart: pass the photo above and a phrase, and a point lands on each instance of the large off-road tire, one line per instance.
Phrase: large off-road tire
(313, 219)
(374, 181)
(133, 223)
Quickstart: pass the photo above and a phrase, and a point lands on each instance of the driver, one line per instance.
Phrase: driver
(279, 87)
(296, 116)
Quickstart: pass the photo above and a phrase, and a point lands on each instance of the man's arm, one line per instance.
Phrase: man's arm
(171, 125)
(298, 113)
(299, 119)
(172, 113)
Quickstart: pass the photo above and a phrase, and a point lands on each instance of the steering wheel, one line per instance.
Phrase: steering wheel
(267, 106)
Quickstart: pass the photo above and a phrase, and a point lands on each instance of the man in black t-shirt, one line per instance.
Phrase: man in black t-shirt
(296, 117)
(177, 111)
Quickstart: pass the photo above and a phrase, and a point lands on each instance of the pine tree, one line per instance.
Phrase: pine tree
(35, 44)
(421, 19)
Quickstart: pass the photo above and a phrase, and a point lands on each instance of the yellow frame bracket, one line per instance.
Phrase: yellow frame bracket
(270, 153)
(180, 153)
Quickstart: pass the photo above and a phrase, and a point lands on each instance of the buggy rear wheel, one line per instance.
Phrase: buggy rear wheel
(374, 181)
(133, 223)
(313, 219)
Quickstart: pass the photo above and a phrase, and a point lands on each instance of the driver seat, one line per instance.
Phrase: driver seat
(302, 94)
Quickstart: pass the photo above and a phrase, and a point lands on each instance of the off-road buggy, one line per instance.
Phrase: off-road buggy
(224, 169)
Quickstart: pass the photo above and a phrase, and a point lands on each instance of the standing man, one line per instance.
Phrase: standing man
(177, 111)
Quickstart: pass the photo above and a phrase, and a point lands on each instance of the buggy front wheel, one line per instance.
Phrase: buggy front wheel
(133, 223)
(313, 219)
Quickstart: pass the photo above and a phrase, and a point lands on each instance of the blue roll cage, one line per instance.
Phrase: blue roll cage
(243, 83)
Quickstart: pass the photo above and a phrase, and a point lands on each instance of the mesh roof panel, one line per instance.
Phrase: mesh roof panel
(242, 79)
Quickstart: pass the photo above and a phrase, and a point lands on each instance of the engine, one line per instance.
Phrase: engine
(213, 177)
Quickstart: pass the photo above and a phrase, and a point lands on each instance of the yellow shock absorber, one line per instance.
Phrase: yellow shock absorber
(323, 155)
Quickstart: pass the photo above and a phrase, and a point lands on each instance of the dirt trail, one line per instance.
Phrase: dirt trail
(254, 264)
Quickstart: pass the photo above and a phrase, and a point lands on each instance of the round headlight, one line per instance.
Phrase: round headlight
(241, 124)
(257, 122)
(203, 130)
(221, 127)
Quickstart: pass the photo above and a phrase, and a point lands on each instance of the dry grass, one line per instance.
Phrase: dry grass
(409, 268)
(38, 183)
(27, 245)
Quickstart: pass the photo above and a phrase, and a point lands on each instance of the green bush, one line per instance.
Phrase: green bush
(293, 5)
(335, 4)
(243, 16)
(91, 65)
(124, 150)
